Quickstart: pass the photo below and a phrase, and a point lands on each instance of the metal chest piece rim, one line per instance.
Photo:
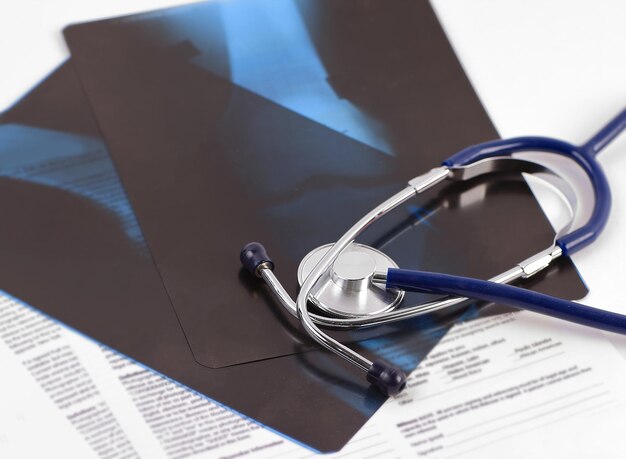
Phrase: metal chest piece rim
(346, 289)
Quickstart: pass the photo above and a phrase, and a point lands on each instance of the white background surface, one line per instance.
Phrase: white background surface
(541, 67)
(554, 68)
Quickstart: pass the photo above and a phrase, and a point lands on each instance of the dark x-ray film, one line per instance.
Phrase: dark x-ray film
(72, 249)
(209, 165)
(284, 122)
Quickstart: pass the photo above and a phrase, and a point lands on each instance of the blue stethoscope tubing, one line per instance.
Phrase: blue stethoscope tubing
(445, 284)
(474, 160)
(585, 157)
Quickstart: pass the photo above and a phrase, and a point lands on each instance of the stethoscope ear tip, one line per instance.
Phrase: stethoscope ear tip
(386, 378)
(253, 255)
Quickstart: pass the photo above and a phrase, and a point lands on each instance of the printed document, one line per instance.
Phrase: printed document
(517, 384)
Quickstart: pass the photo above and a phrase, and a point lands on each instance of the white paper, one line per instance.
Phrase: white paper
(515, 384)
(519, 385)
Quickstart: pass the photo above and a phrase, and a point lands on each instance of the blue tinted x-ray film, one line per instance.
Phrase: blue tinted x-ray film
(272, 52)
(374, 96)
(72, 247)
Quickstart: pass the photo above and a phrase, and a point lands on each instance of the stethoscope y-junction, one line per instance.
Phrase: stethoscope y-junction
(351, 285)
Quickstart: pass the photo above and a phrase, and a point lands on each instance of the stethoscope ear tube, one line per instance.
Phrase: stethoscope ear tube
(446, 284)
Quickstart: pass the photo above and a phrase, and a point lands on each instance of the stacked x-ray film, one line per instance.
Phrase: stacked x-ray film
(133, 175)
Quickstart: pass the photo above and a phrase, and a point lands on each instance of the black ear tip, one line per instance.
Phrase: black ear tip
(252, 255)
(388, 379)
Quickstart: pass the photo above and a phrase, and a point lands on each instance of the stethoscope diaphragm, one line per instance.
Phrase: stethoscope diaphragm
(347, 288)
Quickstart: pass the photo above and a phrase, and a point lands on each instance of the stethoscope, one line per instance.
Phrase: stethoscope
(352, 285)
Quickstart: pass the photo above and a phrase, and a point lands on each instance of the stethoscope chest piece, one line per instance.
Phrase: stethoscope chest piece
(347, 288)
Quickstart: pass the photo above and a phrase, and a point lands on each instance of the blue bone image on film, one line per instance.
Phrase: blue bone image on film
(269, 52)
(71, 162)
(81, 165)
